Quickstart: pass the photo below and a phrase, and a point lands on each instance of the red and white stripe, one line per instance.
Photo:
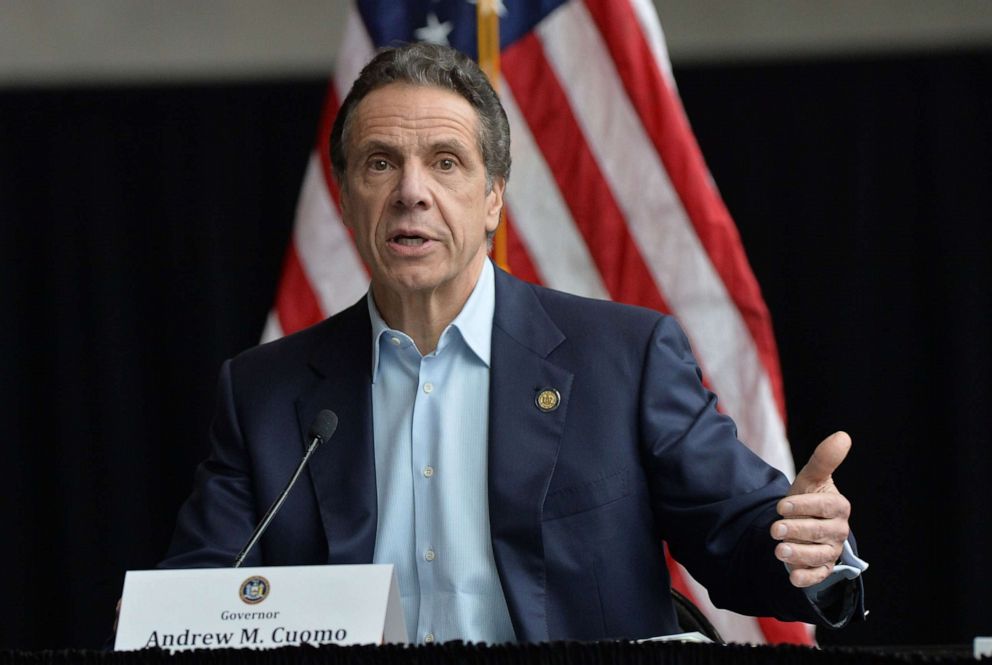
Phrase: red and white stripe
(609, 198)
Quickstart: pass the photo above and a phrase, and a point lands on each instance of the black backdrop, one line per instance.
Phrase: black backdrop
(141, 235)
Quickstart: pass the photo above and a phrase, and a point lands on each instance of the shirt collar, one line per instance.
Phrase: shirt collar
(474, 322)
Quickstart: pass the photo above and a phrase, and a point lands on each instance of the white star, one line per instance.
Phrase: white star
(435, 31)
(497, 4)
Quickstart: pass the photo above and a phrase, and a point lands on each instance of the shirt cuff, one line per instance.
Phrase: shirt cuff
(849, 567)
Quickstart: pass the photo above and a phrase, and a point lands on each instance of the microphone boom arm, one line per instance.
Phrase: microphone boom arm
(322, 429)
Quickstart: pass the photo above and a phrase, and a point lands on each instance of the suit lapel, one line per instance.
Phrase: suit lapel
(523, 447)
(343, 469)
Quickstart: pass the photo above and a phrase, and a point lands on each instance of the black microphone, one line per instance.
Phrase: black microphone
(321, 430)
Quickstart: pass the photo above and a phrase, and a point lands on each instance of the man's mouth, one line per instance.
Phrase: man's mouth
(409, 241)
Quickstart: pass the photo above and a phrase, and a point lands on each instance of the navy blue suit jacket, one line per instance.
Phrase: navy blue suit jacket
(580, 497)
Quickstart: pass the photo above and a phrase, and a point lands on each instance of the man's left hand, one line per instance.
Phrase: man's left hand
(814, 514)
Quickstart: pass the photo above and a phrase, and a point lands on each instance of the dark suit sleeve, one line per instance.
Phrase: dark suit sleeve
(217, 519)
(714, 499)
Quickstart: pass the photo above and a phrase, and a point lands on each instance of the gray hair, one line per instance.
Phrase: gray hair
(440, 67)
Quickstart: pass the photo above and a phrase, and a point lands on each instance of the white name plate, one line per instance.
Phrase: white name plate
(259, 608)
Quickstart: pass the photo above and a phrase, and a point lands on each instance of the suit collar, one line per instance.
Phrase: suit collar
(520, 315)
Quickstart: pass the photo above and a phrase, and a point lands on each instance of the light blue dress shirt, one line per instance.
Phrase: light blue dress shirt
(430, 418)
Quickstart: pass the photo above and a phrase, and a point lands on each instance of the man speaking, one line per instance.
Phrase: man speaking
(519, 454)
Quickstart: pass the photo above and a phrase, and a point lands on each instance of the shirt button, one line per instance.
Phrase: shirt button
(428, 638)
(428, 387)
(395, 341)
(429, 555)
(428, 471)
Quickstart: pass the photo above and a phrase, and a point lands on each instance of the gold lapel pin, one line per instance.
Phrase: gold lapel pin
(547, 400)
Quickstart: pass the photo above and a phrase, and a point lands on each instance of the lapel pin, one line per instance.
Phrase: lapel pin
(548, 400)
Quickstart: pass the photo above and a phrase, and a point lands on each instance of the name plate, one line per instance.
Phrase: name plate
(259, 608)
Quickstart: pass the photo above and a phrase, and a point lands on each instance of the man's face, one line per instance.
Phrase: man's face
(415, 191)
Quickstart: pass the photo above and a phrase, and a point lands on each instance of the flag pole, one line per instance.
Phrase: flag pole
(487, 24)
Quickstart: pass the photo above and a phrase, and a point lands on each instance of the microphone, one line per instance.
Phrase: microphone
(321, 430)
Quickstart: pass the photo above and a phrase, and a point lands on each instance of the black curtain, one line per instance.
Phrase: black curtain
(861, 190)
(141, 236)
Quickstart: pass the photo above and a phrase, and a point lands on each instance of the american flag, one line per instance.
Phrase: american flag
(609, 198)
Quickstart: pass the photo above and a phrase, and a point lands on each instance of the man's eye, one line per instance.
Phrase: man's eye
(379, 165)
(446, 164)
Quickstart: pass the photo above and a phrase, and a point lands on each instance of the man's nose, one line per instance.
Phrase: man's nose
(412, 190)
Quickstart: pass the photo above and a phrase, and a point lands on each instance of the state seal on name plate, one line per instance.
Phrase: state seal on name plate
(254, 590)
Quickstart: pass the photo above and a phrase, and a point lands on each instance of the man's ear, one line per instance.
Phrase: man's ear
(343, 201)
(494, 204)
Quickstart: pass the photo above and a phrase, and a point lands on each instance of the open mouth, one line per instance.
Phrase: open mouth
(409, 241)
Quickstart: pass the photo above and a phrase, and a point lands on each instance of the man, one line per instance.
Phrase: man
(518, 453)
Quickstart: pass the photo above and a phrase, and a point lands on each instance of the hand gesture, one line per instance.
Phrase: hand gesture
(814, 514)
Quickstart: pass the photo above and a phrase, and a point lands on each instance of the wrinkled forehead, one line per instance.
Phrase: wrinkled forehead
(413, 112)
